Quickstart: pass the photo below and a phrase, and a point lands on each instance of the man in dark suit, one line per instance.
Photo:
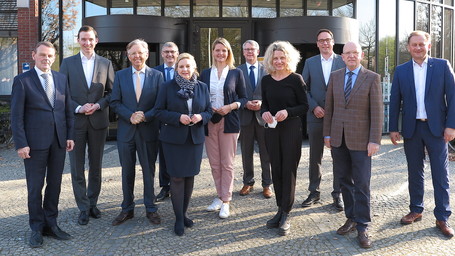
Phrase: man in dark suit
(425, 90)
(133, 98)
(316, 73)
(169, 53)
(352, 129)
(251, 122)
(42, 126)
(90, 79)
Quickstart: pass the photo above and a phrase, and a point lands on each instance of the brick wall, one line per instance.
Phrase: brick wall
(28, 34)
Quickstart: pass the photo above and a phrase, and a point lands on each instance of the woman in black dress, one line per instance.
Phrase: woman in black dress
(283, 101)
(183, 106)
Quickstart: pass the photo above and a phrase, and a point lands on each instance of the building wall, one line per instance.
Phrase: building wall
(28, 33)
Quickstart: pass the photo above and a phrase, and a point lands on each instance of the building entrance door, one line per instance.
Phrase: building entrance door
(206, 32)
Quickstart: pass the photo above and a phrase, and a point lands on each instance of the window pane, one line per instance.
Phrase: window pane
(436, 32)
(149, 7)
(234, 36)
(177, 8)
(345, 8)
(72, 19)
(235, 8)
(423, 16)
(367, 32)
(206, 8)
(208, 35)
(387, 31)
(121, 6)
(291, 8)
(406, 26)
(448, 2)
(263, 9)
(448, 35)
(95, 8)
(318, 8)
(437, 1)
(8, 65)
(50, 26)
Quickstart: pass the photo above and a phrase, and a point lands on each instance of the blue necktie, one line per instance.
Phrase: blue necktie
(348, 88)
(168, 73)
(252, 80)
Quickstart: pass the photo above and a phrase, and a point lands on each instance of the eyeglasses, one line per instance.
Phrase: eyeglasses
(351, 53)
(169, 52)
(137, 53)
(326, 40)
(249, 49)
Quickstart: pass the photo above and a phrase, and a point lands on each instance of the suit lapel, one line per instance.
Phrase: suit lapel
(319, 67)
(38, 84)
(358, 82)
(95, 67)
(429, 75)
(80, 70)
(410, 77)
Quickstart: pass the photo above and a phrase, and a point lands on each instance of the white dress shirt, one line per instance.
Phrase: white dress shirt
(217, 87)
(326, 67)
(88, 65)
(420, 77)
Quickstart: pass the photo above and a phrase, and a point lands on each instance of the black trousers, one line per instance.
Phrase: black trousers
(284, 145)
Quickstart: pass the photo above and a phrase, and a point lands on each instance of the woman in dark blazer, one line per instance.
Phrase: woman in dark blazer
(283, 101)
(227, 95)
(183, 106)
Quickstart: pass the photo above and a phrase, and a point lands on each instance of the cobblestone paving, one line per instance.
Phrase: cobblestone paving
(244, 233)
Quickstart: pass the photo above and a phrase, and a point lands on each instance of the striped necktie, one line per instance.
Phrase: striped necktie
(348, 88)
(48, 88)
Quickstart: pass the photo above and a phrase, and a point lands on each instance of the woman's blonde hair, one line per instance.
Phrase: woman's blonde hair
(292, 56)
(230, 58)
(185, 55)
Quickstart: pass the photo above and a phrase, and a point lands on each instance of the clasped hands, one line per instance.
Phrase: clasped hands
(190, 120)
(89, 108)
(254, 105)
(226, 109)
(137, 117)
(279, 116)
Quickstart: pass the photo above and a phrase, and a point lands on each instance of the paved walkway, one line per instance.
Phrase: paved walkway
(244, 233)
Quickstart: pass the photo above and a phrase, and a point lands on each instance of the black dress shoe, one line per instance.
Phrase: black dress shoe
(179, 229)
(285, 225)
(338, 203)
(312, 199)
(275, 221)
(122, 217)
(188, 222)
(56, 233)
(163, 194)
(36, 239)
(95, 212)
(153, 217)
(83, 218)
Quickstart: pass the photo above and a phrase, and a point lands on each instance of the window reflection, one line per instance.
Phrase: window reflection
(367, 32)
(436, 31)
(406, 26)
(72, 21)
(448, 2)
(50, 26)
(235, 8)
(423, 17)
(8, 65)
(207, 36)
(317, 8)
(291, 8)
(448, 35)
(234, 37)
(121, 6)
(149, 7)
(95, 8)
(177, 8)
(344, 8)
(263, 9)
(206, 8)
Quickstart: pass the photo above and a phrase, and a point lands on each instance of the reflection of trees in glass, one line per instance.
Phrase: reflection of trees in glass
(49, 20)
(8, 64)
(177, 9)
(386, 49)
(119, 59)
(422, 16)
(240, 11)
(403, 54)
(436, 31)
(368, 42)
(263, 9)
(344, 11)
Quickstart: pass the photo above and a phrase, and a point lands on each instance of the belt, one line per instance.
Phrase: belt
(422, 120)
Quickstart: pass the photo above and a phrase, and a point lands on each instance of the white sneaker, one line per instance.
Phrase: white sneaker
(224, 212)
(216, 205)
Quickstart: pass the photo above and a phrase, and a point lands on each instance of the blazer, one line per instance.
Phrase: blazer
(439, 98)
(234, 91)
(99, 91)
(161, 69)
(246, 115)
(360, 118)
(316, 87)
(169, 107)
(124, 103)
(33, 120)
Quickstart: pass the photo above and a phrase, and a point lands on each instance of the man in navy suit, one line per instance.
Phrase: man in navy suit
(42, 125)
(133, 97)
(316, 73)
(251, 122)
(424, 88)
(169, 53)
(90, 79)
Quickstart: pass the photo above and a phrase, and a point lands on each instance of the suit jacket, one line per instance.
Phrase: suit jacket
(246, 115)
(234, 91)
(162, 70)
(33, 120)
(360, 118)
(439, 98)
(124, 103)
(316, 87)
(99, 91)
(169, 107)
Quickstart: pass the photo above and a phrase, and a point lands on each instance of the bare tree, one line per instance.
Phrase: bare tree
(368, 41)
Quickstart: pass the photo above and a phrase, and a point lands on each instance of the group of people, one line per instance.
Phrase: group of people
(173, 111)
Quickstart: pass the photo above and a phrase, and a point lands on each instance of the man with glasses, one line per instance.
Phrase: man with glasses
(251, 122)
(169, 53)
(133, 98)
(316, 73)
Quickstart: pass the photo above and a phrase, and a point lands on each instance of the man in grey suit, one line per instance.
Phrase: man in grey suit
(251, 122)
(316, 73)
(90, 79)
(133, 98)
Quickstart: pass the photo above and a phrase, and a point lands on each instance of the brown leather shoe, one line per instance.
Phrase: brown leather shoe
(445, 228)
(246, 190)
(411, 218)
(364, 240)
(347, 227)
(267, 192)
(122, 217)
(153, 217)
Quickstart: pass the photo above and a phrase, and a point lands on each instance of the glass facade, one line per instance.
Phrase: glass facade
(8, 65)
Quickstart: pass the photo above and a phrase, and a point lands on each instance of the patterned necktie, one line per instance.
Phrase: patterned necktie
(49, 88)
(168, 73)
(252, 80)
(138, 85)
(348, 88)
